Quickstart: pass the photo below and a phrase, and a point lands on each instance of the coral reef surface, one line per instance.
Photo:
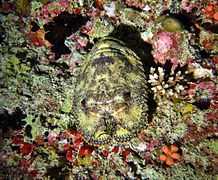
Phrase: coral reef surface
(108, 89)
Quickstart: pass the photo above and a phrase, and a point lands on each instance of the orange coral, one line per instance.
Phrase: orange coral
(170, 154)
(37, 38)
(211, 11)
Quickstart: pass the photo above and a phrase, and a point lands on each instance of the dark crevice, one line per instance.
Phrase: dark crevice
(202, 104)
(210, 27)
(34, 26)
(11, 121)
(28, 130)
(132, 38)
(56, 173)
(61, 27)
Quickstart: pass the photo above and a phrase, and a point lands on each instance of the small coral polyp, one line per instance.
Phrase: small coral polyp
(170, 154)
(110, 96)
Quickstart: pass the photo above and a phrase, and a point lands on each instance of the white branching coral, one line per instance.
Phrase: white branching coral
(166, 86)
(201, 73)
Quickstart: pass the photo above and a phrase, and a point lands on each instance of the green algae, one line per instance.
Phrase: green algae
(212, 145)
(84, 161)
(13, 70)
(35, 124)
(170, 24)
(66, 106)
(45, 1)
(102, 28)
(23, 7)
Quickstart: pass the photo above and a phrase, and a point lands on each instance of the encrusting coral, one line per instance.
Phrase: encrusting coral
(162, 127)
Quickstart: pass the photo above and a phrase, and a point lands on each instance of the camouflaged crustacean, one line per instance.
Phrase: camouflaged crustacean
(110, 95)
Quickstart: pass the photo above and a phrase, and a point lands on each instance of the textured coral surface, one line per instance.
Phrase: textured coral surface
(141, 104)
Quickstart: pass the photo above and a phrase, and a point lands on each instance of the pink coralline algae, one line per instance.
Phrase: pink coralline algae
(99, 4)
(166, 48)
(187, 5)
(204, 94)
(85, 150)
(125, 153)
(152, 145)
(49, 11)
(24, 163)
(115, 149)
(67, 58)
(105, 153)
(212, 116)
(214, 103)
(76, 138)
(70, 157)
(87, 29)
(52, 137)
(92, 13)
(205, 90)
(164, 43)
(140, 4)
(26, 148)
(17, 140)
(8, 7)
(80, 41)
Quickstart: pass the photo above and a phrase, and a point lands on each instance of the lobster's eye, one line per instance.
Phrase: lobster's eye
(126, 95)
(83, 102)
